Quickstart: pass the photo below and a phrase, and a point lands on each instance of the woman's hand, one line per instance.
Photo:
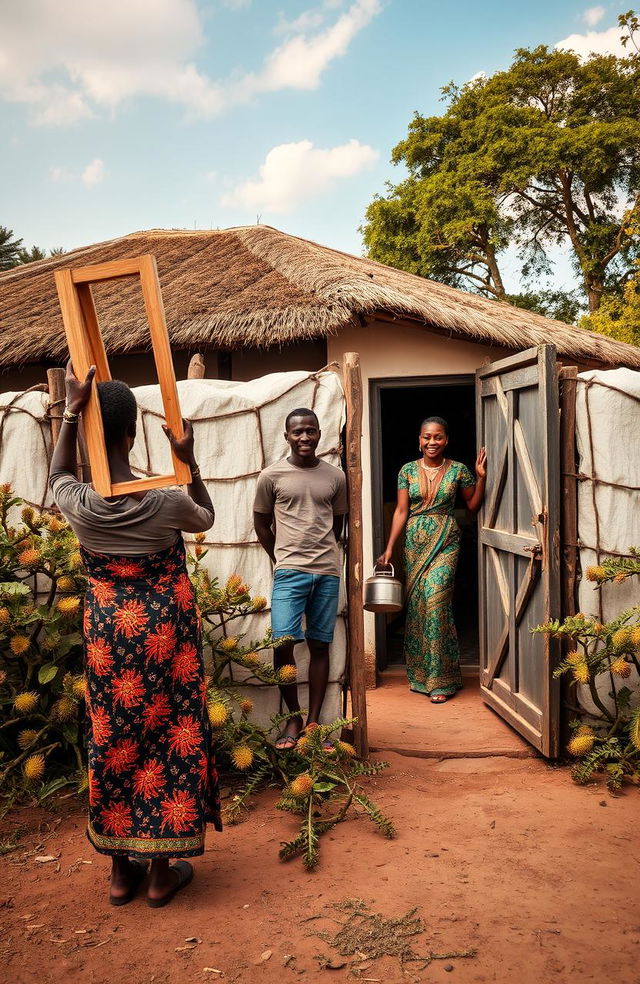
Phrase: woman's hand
(77, 393)
(182, 446)
(384, 560)
(481, 463)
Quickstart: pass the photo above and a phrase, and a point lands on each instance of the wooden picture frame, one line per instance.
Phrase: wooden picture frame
(86, 349)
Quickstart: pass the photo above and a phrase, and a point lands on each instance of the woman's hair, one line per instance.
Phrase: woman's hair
(440, 421)
(119, 410)
(300, 412)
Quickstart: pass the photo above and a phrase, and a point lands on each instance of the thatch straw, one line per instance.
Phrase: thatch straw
(256, 286)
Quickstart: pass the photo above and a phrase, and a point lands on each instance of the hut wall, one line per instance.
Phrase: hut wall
(397, 351)
(607, 428)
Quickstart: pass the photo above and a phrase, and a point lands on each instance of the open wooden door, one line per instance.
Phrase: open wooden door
(519, 541)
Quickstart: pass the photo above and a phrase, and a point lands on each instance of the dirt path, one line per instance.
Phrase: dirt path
(503, 856)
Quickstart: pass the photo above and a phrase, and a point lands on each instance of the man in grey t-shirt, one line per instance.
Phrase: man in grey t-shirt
(298, 516)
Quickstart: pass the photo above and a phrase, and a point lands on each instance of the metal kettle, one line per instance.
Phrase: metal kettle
(383, 591)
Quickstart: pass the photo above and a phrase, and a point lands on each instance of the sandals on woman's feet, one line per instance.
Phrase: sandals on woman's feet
(285, 743)
(184, 872)
(138, 875)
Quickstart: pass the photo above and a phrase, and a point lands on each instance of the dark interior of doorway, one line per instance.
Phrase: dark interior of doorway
(402, 409)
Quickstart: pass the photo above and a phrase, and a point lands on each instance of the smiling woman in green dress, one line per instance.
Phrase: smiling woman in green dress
(426, 499)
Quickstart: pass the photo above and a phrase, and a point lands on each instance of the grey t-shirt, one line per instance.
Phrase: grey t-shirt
(127, 527)
(304, 502)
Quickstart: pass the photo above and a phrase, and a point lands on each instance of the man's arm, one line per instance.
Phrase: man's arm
(263, 524)
(338, 527)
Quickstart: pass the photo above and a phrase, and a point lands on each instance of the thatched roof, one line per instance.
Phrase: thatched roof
(256, 286)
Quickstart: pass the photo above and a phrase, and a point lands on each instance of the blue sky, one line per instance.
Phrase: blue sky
(179, 113)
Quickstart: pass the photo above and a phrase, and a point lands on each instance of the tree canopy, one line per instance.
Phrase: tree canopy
(13, 253)
(543, 154)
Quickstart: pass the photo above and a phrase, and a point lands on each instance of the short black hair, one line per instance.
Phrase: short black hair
(300, 412)
(119, 409)
(440, 421)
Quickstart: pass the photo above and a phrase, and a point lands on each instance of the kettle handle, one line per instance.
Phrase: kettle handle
(378, 573)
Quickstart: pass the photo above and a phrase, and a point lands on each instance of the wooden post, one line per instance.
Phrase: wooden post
(568, 522)
(357, 678)
(197, 368)
(57, 393)
(569, 504)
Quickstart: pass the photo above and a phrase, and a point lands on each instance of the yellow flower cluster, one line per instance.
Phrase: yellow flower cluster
(26, 702)
(33, 768)
(228, 645)
(5, 617)
(19, 644)
(259, 603)
(303, 743)
(287, 674)
(621, 639)
(581, 673)
(251, 657)
(79, 688)
(29, 558)
(75, 560)
(620, 667)
(246, 705)
(68, 606)
(218, 713)
(66, 583)
(347, 748)
(63, 710)
(242, 756)
(596, 573)
(582, 742)
(301, 786)
(25, 737)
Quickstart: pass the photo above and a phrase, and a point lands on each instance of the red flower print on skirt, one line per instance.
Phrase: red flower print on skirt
(185, 664)
(153, 782)
(128, 689)
(150, 780)
(131, 618)
(178, 812)
(99, 656)
(122, 756)
(116, 819)
(160, 644)
(183, 593)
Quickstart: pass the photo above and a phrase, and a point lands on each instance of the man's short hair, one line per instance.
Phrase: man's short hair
(300, 412)
(119, 409)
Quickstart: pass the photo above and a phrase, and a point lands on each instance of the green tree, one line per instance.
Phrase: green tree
(545, 153)
(9, 249)
(30, 255)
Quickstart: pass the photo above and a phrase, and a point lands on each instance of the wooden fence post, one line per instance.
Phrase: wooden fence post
(57, 394)
(569, 504)
(357, 681)
(568, 379)
(197, 368)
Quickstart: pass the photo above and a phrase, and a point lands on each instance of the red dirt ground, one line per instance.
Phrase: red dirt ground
(502, 855)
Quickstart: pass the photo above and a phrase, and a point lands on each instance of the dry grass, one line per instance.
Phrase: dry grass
(257, 286)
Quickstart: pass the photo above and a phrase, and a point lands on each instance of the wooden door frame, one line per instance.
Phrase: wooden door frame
(376, 386)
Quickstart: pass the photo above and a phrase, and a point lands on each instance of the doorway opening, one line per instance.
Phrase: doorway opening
(398, 407)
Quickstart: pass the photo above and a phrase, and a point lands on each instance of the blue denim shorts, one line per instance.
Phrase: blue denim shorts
(297, 593)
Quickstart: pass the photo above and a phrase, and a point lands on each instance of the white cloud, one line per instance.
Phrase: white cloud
(60, 174)
(593, 16)
(236, 4)
(93, 173)
(67, 66)
(295, 172)
(594, 42)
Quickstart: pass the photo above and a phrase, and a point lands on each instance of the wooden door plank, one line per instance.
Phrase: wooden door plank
(516, 543)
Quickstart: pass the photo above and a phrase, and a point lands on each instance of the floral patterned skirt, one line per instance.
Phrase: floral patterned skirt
(430, 641)
(153, 783)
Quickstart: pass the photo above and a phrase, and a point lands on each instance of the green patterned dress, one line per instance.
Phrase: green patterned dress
(432, 546)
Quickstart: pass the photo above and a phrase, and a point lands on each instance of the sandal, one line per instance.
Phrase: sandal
(439, 699)
(139, 874)
(184, 872)
(285, 743)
